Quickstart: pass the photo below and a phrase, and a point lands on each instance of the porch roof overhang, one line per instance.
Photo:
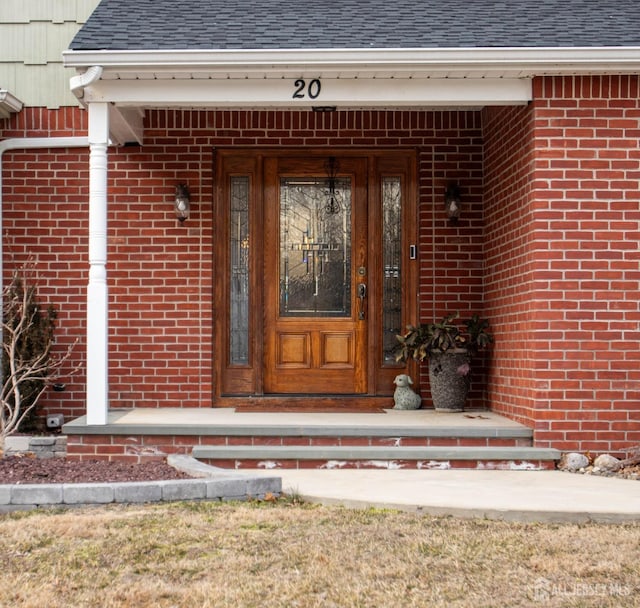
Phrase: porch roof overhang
(134, 80)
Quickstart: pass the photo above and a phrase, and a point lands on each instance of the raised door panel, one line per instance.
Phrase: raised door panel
(315, 338)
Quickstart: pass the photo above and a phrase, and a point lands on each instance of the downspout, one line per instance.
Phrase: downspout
(79, 82)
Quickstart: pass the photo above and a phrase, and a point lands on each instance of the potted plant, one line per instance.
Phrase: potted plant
(449, 346)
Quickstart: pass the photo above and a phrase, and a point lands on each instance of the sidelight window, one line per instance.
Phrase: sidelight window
(391, 265)
(239, 271)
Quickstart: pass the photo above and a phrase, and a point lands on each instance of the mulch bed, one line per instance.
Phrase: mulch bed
(28, 470)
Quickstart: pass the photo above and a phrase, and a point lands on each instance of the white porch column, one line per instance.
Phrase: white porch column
(97, 294)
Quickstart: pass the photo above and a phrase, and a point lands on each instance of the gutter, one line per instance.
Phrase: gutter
(526, 61)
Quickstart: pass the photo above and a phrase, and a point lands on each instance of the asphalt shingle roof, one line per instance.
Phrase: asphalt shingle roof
(340, 24)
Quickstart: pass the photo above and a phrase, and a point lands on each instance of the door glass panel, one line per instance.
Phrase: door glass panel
(239, 269)
(315, 248)
(391, 258)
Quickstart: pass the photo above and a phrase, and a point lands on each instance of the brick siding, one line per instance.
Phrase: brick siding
(562, 212)
(161, 274)
(547, 244)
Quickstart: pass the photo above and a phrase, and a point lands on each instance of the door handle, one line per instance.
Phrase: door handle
(362, 294)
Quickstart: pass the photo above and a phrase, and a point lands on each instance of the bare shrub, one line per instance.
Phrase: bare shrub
(28, 365)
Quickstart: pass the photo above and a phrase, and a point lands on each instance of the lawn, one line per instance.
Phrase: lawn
(286, 554)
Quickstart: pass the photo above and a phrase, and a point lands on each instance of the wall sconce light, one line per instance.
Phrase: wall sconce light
(182, 202)
(452, 202)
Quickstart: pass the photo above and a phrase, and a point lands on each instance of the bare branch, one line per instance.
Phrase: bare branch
(28, 367)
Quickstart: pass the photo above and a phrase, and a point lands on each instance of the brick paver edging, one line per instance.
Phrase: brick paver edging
(217, 485)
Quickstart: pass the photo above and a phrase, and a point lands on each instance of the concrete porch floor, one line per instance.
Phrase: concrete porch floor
(211, 420)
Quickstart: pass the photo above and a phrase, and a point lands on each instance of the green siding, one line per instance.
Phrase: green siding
(33, 35)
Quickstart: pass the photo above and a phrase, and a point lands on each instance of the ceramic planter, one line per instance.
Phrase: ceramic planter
(450, 379)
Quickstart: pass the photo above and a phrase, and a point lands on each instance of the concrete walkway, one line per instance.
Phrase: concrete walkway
(545, 496)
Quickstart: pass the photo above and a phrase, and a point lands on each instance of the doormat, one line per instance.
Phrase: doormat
(274, 409)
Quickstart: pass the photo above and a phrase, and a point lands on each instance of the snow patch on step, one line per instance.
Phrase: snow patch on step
(269, 464)
(441, 465)
(383, 464)
(334, 464)
(509, 465)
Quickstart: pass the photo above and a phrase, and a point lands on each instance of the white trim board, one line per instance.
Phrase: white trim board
(305, 93)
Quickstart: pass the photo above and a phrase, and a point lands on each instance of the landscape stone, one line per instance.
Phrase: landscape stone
(573, 461)
(137, 492)
(182, 490)
(87, 493)
(42, 441)
(5, 495)
(226, 488)
(606, 462)
(259, 487)
(36, 494)
(48, 447)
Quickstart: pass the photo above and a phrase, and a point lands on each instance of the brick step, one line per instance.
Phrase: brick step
(146, 434)
(355, 440)
(428, 457)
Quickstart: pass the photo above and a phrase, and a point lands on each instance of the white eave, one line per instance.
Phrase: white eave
(448, 62)
(131, 81)
(9, 104)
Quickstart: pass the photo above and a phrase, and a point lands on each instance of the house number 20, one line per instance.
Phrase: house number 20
(310, 90)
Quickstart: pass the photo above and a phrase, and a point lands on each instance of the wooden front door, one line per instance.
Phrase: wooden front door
(315, 272)
(315, 276)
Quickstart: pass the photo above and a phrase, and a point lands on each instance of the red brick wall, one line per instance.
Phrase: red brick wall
(555, 183)
(45, 222)
(567, 303)
(451, 255)
(161, 274)
(508, 213)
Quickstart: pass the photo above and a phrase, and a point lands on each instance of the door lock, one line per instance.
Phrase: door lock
(362, 294)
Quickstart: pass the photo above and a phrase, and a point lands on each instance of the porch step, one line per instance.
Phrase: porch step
(332, 457)
(234, 440)
(422, 440)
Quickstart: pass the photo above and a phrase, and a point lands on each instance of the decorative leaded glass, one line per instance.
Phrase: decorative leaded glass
(391, 265)
(315, 248)
(239, 269)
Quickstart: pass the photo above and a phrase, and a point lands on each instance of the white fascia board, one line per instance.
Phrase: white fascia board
(529, 61)
(293, 92)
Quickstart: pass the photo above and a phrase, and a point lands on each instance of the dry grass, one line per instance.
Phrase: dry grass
(287, 555)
